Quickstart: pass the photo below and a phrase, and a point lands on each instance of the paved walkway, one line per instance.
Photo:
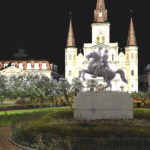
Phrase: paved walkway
(4, 139)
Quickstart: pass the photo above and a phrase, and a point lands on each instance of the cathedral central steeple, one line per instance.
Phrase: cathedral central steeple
(100, 14)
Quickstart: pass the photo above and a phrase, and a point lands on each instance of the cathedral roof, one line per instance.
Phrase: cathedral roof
(100, 14)
(70, 40)
(131, 41)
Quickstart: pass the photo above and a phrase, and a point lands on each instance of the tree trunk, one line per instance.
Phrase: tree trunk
(52, 99)
(76, 92)
(67, 98)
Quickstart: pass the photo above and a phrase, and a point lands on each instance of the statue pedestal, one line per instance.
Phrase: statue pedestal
(103, 105)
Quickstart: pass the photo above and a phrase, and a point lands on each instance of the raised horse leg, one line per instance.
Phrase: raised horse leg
(82, 74)
(84, 71)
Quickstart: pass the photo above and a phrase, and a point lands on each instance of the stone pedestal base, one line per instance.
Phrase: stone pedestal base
(103, 105)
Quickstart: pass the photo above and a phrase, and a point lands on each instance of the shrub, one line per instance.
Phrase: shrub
(148, 95)
(54, 126)
(2, 98)
(19, 101)
(22, 100)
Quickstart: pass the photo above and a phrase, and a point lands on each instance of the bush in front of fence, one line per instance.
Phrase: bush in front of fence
(59, 128)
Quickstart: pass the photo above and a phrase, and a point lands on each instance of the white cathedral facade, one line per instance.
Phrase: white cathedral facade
(127, 61)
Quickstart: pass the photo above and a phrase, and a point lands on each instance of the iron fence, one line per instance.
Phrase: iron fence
(84, 143)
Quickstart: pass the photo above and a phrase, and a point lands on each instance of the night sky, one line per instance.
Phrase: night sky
(42, 27)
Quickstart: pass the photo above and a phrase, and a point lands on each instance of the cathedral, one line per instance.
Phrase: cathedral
(128, 61)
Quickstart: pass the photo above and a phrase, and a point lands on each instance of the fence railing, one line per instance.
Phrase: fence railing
(84, 143)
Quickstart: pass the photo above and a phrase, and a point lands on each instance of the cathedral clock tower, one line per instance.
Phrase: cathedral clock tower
(100, 28)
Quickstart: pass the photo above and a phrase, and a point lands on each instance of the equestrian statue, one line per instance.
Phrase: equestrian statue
(98, 67)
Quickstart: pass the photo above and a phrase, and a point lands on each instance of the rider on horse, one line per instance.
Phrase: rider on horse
(104, 65)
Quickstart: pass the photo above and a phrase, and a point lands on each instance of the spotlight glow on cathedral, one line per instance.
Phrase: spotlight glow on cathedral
(127, 62)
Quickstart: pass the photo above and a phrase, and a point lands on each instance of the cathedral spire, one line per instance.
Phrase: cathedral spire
(70, 40)
(131, 41)
(100, 14)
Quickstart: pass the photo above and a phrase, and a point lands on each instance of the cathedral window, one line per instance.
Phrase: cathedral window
(136, 56)
(127, 56)
(100, 9)
(112, 57)
(132, 56)
(69, 73)
(98, 40)
(103, 39)
(100, 12)
(70, 57)
(132, 72)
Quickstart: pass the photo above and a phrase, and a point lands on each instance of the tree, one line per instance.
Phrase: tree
(63, 88)
(3, 89)
(27, 85)
(42, 87)
(52, 88)
(148, 95)
(92, 83)
(76, 86)
(14, 87)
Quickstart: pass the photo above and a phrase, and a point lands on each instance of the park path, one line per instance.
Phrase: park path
(4, 139)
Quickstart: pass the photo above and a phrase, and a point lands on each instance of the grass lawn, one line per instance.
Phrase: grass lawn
(6, 107)
(7, 117)
(49, 123)
(33, 110)
(59, 122)
(11, 105)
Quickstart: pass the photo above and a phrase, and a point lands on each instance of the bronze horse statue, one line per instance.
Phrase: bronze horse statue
(98, 67)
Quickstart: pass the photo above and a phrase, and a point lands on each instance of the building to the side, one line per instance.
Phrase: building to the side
(127, 61)
(18, 67)
(144, 80)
